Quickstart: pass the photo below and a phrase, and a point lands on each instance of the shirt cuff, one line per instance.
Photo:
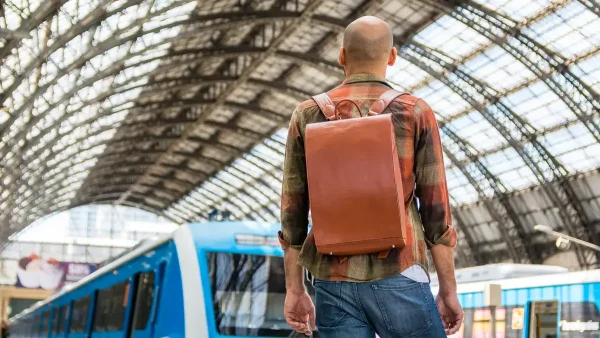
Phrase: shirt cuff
(449, 238)
(285, 244)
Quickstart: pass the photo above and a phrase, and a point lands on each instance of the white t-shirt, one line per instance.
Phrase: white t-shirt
(416, 273)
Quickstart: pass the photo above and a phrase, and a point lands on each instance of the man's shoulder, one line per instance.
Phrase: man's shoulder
(407, 99)
(309, 104)
(415, 105)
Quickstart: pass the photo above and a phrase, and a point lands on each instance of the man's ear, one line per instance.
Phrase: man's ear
(342, 57)
(393, 56)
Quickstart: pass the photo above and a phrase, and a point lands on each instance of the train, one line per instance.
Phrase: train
(226, 279)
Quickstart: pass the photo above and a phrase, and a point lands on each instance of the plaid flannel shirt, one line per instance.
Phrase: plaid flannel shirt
(423, 176)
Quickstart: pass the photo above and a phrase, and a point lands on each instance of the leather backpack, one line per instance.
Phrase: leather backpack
(354, 180)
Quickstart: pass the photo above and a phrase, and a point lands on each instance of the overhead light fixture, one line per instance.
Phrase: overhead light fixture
(563, 241)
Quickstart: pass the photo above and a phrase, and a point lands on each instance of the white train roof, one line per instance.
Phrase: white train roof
(501, 271)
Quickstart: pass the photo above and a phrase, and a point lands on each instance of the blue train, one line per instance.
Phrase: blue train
(537, 302)
(227, 279)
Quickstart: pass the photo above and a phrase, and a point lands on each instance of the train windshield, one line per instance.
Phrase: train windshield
(248, 292)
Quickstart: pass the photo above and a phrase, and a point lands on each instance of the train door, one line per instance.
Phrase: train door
(145, 305)
(543, 319)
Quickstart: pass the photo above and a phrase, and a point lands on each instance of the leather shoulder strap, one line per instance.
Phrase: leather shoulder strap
(384, 101)
(326, 105)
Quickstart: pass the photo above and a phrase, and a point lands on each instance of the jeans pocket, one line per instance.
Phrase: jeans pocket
(405, 310)
(328, 303)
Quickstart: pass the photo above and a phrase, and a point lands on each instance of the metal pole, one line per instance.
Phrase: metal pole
(548, 230)
(493, 321)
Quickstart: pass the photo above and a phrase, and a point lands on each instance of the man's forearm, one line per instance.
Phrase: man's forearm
(294, 273)
(443, 259)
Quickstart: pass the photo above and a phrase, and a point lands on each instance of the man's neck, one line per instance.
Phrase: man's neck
(377, 73)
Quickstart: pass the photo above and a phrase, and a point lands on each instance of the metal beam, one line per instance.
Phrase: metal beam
(271, 50)
(95, 78)
(491, 192)
(35, 19)
(263, 112)
(8, 34)
(52, 190)
(468, 256)
(95, 17)
(157, 201)
(130, 139)
(162, 106)
(119, 65)
(550, 67)
(514, 128)
(592, 5)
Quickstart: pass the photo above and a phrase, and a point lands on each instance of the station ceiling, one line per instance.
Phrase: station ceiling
(180, 107)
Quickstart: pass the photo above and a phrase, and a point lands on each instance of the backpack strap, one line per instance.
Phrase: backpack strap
(384, 101)
(326, 105)
(377, 108)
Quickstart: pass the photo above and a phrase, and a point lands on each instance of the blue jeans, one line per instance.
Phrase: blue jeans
(393, 307)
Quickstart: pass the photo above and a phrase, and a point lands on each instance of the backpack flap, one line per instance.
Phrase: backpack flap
(354, 182)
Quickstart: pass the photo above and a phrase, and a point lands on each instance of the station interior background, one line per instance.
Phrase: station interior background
(121, 119)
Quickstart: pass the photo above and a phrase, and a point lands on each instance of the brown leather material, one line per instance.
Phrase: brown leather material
(335, 111)
(326, 105)
(383, 254)
(354, 183)
(384, 101)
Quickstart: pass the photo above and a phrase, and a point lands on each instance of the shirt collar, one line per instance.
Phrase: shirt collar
(365, 77)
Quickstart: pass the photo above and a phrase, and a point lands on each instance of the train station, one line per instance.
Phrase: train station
(179, 168)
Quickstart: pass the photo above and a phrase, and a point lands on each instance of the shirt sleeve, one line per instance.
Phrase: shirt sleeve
(294, 194)
(430, 176)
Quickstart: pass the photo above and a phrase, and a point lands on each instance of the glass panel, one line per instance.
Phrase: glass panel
(57, 320)
(509, 167)
(574, 146)
(517, 9)
(79, 315)
(110, 308)
(572, 30)
(444, 102)
(248, 293)
(45, 322)
(452, 37)
(477, 131)
(497, 68)
(589, 71)
(579, 319)
(144, 300)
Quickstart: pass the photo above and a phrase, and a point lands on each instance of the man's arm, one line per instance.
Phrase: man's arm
(294, 190)
(447, 299)
(432, 191)
(299, 310)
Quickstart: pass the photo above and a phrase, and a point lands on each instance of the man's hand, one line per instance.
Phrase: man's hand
(299, 312)
(450, 311)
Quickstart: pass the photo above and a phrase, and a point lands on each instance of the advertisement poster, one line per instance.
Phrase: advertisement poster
(517, 318)
(35, 272)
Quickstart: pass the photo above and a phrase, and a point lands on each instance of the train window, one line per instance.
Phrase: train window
(110, 308)
(248, 292)
(55, 320)
(143, 300)
(79, 315)
(60, 316)
(482, 322)
(45, 322)
(477, 323)
(36, 324)
(579, 319)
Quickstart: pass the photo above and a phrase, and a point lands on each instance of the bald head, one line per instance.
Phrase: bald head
(367, 41)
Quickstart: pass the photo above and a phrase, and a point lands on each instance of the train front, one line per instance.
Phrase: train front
(243, 279)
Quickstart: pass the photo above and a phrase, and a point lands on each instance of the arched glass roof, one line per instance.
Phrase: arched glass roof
(180, 107)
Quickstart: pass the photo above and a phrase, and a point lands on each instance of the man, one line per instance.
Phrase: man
(365, 294)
